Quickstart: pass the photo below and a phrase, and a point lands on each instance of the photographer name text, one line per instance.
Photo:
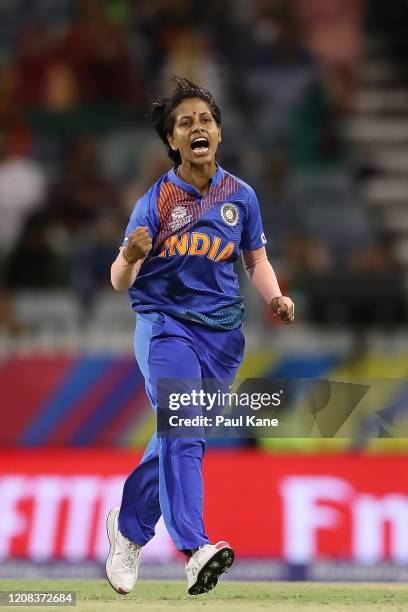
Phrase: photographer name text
(222, 421)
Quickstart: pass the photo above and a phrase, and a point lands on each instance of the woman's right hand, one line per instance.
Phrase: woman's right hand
(138, 245)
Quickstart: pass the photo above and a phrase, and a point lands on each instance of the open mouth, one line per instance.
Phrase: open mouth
(200, 145)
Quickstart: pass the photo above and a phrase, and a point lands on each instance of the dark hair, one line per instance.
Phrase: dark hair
(162, 110)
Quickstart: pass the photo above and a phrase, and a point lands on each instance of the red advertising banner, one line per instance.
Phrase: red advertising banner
(300, 509)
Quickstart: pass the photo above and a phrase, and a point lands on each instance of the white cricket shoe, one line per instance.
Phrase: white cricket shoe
(123, 560)
(206, 565)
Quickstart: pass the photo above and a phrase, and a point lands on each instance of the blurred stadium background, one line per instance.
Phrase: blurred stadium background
(314, 97)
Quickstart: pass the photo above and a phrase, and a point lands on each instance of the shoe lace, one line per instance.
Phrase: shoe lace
(131, 553)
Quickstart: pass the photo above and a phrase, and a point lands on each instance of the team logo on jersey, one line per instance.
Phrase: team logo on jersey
(229, 213)
(179, 218)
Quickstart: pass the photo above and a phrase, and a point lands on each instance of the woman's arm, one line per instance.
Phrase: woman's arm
(261, 273)
(263, 277)
(124, 274)
(126, 266)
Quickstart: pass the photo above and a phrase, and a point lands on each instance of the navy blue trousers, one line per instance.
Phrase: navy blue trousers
(168, 481)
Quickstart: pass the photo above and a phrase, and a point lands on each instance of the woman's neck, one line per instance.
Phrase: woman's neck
(198, 176)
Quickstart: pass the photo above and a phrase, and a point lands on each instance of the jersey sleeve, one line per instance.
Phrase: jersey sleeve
(144, 215)
(253, 236)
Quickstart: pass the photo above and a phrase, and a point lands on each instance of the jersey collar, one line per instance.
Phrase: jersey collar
(214, 180)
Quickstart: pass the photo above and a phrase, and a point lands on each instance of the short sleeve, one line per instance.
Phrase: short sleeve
(253, 236)
(144, 215)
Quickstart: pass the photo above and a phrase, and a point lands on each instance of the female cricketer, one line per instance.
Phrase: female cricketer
(177, 261)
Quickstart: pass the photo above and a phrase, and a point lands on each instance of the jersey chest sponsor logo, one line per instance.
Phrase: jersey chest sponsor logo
(197, 244)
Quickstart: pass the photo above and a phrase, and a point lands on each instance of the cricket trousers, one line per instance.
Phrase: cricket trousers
(168, 481)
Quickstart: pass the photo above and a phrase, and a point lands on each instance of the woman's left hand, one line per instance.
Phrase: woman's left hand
(284, 308)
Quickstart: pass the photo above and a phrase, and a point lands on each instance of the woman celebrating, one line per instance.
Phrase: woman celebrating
(177, 259)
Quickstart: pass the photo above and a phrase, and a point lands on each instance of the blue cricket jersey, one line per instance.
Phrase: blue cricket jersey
(189, 273)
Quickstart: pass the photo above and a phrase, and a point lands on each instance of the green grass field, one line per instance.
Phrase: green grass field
(97, 596)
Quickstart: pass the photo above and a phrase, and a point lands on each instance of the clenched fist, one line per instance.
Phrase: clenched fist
(138, 245)
(284, 308)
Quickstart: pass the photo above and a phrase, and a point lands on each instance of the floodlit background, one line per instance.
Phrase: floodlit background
(314, 100)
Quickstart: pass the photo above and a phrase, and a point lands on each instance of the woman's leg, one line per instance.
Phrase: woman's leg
(169, 479)
(140, 507)
(180, 458)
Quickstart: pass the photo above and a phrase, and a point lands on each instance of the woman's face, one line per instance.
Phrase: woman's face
(196, 134)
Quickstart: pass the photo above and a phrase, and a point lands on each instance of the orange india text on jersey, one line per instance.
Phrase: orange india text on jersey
(198, 244)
